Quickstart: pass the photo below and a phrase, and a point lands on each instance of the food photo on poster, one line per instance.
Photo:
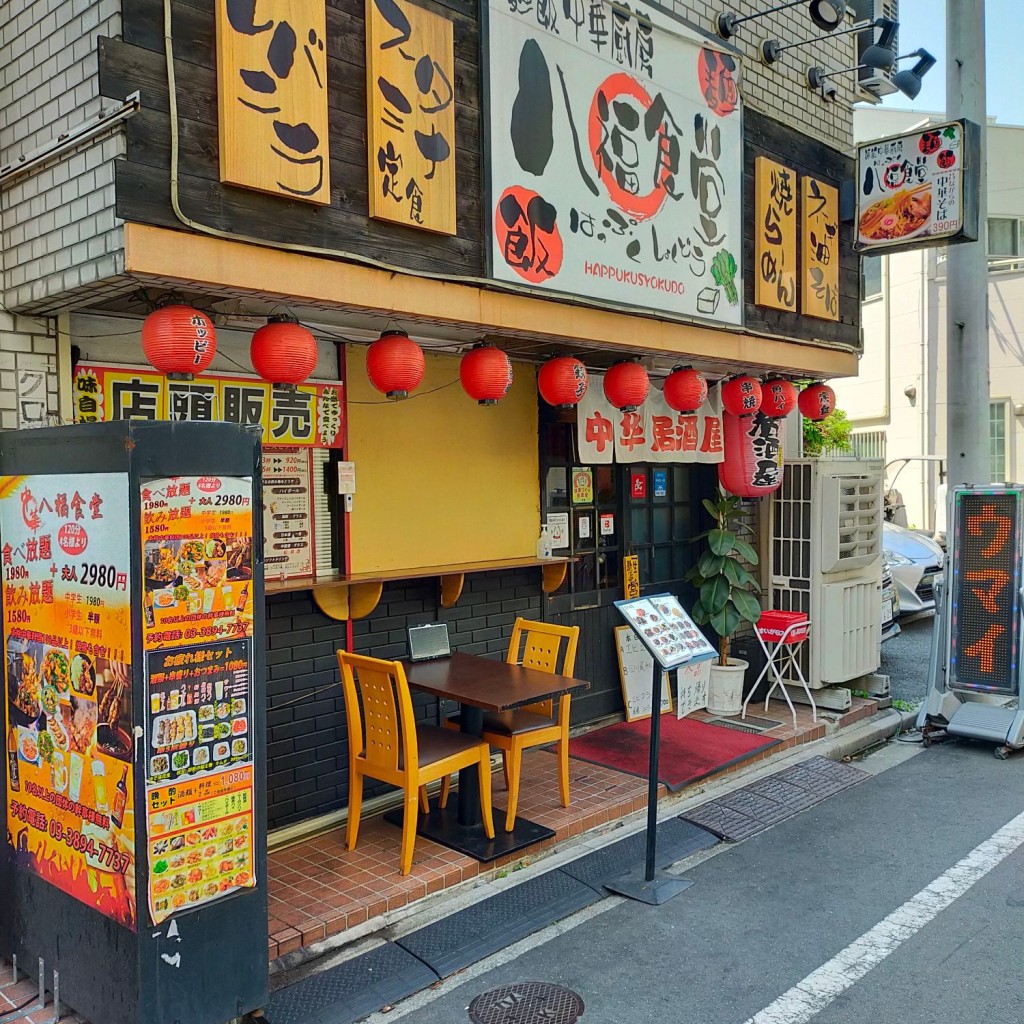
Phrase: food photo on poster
(69, 723)
(197, 559)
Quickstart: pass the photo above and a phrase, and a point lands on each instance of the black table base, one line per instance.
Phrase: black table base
(442, 827)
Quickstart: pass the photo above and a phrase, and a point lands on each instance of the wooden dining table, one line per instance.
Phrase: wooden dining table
(480, 685)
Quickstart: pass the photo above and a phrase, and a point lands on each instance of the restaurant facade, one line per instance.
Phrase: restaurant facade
(505, 184)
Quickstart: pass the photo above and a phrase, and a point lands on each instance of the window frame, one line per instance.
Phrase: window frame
(864, 296)
(1003, 415)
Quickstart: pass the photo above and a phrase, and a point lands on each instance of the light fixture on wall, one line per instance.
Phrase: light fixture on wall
(909, 82)
(772, 49)
(875, 56)
(910, 391)
(826, 14)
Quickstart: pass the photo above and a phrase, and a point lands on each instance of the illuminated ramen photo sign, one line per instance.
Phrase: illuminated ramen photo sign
(984, 636)
(918, 190)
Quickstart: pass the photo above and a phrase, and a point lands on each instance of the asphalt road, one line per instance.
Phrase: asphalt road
(905, 659)
(772, 913)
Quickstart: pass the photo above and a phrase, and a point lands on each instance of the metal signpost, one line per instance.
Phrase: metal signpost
(674, 640)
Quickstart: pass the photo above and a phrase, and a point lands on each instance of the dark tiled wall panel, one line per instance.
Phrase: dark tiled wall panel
(307, 741)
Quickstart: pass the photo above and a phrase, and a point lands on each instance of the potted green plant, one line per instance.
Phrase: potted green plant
(727, 597)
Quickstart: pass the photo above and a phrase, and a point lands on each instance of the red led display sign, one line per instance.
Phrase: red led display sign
(985, 610)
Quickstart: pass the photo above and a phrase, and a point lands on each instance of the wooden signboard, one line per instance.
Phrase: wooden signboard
(635, 668)
(820, 212)
(272, 98)
(410, 75)
(775, 199)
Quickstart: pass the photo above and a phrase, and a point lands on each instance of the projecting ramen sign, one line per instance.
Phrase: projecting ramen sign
(919, 190)
(615, 157)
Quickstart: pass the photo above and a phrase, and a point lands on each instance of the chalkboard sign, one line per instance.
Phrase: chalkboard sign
(636, 666)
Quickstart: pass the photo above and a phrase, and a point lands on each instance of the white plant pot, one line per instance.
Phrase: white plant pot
(725, 689)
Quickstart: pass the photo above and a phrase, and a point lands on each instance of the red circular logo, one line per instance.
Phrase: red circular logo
(72, 538)
(930, 142)
(208, 484)
(717, 84)
(946, 159)
(626, 159)
(526, 230)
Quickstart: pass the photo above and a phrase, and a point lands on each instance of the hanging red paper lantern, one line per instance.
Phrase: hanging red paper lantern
(395, 364)
(179, 341)
(283, 351)
(741, 395)
(752, 467)
(686, 389)
(778, 397)
(562, 381)
(626, 385)
(486, 374)
(817, 401)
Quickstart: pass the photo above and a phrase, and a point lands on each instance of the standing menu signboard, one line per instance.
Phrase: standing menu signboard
(67, 638)
(197, 540)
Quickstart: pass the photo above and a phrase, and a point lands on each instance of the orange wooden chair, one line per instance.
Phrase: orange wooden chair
(395, 748)
(536, 645)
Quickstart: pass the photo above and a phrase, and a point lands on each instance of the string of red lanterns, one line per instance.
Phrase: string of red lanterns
(627, 385)
(742, 395)
(778, 397)
(563, 381)
(395, 364)
(685, 389)
(817, 401)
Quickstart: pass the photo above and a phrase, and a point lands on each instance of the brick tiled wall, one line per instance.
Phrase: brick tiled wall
(307, 743)
(26, 345)
(59, 232)
(780, 90)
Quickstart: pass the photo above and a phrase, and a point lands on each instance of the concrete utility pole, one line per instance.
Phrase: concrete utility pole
(967, 353)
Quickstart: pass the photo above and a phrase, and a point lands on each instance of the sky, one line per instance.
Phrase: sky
(923, 25)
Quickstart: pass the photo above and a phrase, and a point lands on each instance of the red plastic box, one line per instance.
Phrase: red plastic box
(772, 625)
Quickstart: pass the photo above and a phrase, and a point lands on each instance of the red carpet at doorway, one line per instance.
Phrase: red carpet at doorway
(690, 750)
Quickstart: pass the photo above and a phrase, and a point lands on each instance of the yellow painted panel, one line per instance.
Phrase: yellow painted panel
(410, 71)
(775, 235)
(820, 212)
(272, 97)
(440, 479)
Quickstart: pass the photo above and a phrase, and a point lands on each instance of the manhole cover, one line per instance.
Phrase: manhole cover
(532, 1002)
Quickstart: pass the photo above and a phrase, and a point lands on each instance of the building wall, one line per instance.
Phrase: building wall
(57, 223)
(780, 90)
(28, 372)
(905, 332)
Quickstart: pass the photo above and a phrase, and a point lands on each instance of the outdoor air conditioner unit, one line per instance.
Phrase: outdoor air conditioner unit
(878, 83)
(826, 523)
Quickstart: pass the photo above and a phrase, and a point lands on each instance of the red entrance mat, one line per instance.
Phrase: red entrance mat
(690, 750)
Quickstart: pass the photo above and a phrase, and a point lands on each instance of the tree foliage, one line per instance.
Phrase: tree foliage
(830, 434)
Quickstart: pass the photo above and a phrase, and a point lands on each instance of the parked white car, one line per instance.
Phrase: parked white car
(915, 561)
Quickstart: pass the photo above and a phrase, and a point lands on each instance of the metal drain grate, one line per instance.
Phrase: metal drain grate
(748, 724)
(532, 1002)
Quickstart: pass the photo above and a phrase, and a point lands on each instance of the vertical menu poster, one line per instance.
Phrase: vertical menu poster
(288, 532)
(197, 539)
(68, 719)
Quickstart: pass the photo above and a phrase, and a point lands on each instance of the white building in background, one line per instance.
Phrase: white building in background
(897, 403)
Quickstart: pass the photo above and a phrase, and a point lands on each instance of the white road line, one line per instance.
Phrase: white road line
(821, 987)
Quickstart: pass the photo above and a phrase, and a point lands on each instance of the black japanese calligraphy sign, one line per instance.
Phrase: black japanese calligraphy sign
(919, 190)
(985, 559)
(615, 156)
(410, 76)
(272, 97)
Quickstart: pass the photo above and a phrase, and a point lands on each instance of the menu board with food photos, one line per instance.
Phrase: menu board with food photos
(197, 559)
(68, 726)
(666, 629)
(197, 535)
